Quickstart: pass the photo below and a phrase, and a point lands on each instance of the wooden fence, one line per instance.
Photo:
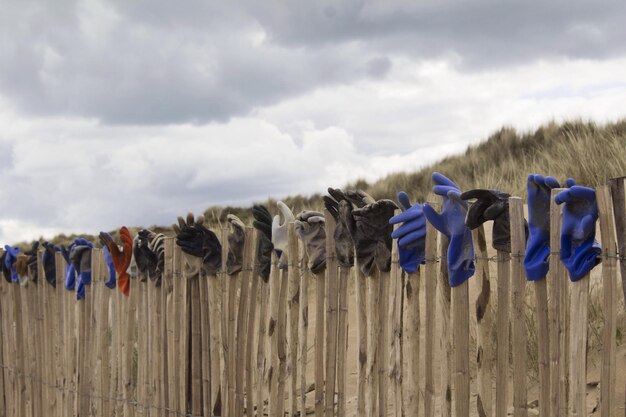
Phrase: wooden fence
(237, 346)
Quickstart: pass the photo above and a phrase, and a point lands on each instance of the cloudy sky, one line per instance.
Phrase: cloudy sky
(132, 112)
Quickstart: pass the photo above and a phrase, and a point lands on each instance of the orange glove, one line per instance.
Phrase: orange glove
(121, 259)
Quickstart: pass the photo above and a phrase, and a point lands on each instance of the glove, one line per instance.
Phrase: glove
(80, 256)
(344, 247)
(157, 246)
(145, 259)
(32, 262)
(370, 230)
(491, 205)
(9, 262)
(121, 259)
(49, 263)
(108, 260)
(263, 223)
(310, 226)
(538, 245)
(279, 234)
(196, 240)
(579, 249)
(21, 267)
(411, 234)
(236, 243)
(70, 271)
(451, 222)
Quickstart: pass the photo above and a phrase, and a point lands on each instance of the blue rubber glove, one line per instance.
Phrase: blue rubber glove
(108, 260)
(538, 246)
(80, 255)
(579, 249)
(70, 271)
(451, 222)
(9, 262)
(411, 234)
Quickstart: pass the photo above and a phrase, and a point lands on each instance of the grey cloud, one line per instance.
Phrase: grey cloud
(482, 34)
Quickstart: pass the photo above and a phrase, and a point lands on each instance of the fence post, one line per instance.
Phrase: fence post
(342, 340)
(619, 211)
(242, 319)
(320, 292)
(206, 331)
(361, 307)
(411, 338)
(502, 333)
(484, 321)
(445, 338)
(331, 314)
(293, 302)
(262, 359)
(396, 335)
(254, 285)
(373, 338)
(430, 289)
(384, 279)
(303, 329)
(518, 302)
(281, 336)
(609, 306)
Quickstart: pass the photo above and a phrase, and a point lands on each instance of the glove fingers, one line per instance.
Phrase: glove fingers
(569, 183)
(495, 210)
(436, 219)
(551, 182)
(287, 214)
(332, 206)
(337, 194)
(406, 216)
(443, 190)
(440, 179)
(412, 237)
(404, 200)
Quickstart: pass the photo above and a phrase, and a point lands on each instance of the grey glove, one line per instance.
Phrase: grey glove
(279, 234)
(310, 226)
(370, 230)
(157, 246)
(344, 247)
(236, 243)
(196, 240)
(263, 223)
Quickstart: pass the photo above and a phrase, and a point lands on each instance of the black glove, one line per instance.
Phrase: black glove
(196, 240)
(157, 246)
(145, 259)
(310, 226)
(344, 247)
(370, 230)
(6, 271)
(49, 263)
(263, 223)
(491, 205)
(236, 243)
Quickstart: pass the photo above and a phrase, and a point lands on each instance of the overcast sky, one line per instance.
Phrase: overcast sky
(133, 112)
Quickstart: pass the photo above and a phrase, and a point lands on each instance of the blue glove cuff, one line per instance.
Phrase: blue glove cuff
(70, 278)
(460, 259)
(584, 259)
(410, 259)
(536, 261)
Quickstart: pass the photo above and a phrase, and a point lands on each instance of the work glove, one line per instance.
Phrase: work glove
(263, 223)
(21, 267)
(236, 243)
(579, 249)
(31, 254)
(157, 246)
(451, 222)
(310, 226)
(80, 256)
(491, 205)
(145, 259)
(344, 247)
(280, 235)
(70, 270)
(538, 246)
(10, 259)
(108, 260)
(49, 263)
(121, 258)
(6, 272)
(370, 229)
(411, 234)
(196, 240)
